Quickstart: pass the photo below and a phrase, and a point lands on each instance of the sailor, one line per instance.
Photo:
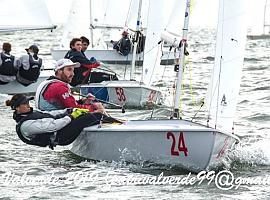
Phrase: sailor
(30, 66)
(123, 46)
(81, 74)
(8, 65)
(85, 44)
(60, 127)
(95, 77)
(55, 93)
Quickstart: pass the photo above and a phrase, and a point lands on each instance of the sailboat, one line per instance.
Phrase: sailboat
(261, 30)
(15, 87)
(186, 144)
(101, 30)
(26, 15)
(19, 15)
(132, 93)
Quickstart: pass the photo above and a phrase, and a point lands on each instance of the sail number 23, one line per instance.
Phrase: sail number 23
(178, 144)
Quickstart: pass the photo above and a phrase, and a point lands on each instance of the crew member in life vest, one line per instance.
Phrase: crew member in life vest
(96, 77)
(81, 74)
(55, 92)
(29, 66)
(8, 65)
(123, 46)
(60, 127)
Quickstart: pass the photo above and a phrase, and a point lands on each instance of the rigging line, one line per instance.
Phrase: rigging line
(174, 93)
(153, 108)
(220, 67)
(155, 65)
(128, 13)
(182, 88)
(106, 68)
(211, 95)
(125, 72)
(190, 84)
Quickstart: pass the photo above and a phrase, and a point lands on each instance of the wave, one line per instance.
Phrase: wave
(261, 88)
(251, 152)
(252, 59)
(259, 117)
(255, 68)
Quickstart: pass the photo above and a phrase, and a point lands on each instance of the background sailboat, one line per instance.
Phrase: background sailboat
(260, 26)
(102, 22)
(189, 145)
(131, 93)
(26, 15)
(17, 15)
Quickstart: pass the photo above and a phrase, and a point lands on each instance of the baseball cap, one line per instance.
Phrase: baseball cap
(22, 100)
(34, 48)
(64, 62)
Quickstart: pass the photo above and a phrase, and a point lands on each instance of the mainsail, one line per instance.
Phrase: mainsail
(152, 50)
(229, 56)
(16, 15)
(78, 22)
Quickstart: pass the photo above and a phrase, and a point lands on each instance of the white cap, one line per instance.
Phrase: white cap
(64, 62)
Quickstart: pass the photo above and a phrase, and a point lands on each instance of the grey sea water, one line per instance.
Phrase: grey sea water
(28, 172)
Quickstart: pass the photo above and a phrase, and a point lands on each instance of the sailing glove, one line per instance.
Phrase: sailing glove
(77, 112)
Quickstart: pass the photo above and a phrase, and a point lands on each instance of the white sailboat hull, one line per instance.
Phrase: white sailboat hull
(129, 94)
(110, 56)
(167, 142)
(15, 87)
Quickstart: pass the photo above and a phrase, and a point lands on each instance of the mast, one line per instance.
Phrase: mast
(91, 25)
(132, 76)
(181, 63)
(265, 25)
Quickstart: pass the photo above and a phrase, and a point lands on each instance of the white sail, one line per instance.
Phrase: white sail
(177, 12)
(229, 57)
(114, 13)
(259, 21)
(172, 33)
(152, 50)
(97, 19)
(78, 22)
(18, 15)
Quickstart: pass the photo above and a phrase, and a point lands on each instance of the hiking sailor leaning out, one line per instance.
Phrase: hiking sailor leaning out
(8, 65)
(30, 65)
(55, 92)
(59, 127)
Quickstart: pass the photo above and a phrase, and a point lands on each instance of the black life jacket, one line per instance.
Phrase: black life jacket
(123, 46)
(79, 77)
(33, 72)
(41, 139)
(7, 68)
(141, 44)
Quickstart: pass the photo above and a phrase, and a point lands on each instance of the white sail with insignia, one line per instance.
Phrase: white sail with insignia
(229, 57)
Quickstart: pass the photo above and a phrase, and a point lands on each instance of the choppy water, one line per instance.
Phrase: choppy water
(250, 158)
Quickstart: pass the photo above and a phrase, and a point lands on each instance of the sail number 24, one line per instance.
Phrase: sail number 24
(178, 144)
